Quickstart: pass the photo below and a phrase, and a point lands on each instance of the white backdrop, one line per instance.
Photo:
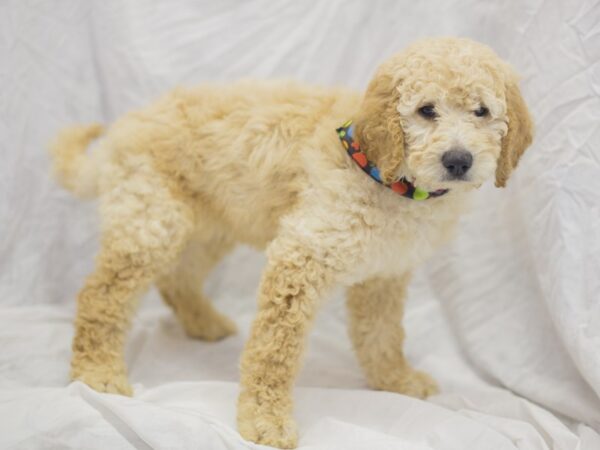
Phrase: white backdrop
(507, 317)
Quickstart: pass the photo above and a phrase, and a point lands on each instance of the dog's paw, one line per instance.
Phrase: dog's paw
(411, 382)
(104, 381)
(266, 427)
(275, 431)
(211, 327)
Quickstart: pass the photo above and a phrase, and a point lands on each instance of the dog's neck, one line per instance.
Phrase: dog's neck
(401, 186)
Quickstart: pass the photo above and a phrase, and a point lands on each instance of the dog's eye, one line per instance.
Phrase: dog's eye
(428, 112)
(482, 111)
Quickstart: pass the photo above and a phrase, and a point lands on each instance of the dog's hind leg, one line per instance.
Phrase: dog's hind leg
(181, 289)
(375, 310)
(145, 227)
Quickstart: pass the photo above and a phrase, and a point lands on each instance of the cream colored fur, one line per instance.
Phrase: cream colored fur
(182, 181)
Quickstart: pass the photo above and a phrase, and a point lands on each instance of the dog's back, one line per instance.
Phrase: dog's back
(236, 149)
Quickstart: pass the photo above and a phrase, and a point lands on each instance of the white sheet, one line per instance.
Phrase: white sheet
(506, 318)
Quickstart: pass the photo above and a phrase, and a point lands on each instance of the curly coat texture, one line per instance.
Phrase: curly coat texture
(182, 181)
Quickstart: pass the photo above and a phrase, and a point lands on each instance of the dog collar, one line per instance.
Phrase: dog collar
(401, 186)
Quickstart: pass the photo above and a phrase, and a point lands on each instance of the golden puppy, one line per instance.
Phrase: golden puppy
(278, 165)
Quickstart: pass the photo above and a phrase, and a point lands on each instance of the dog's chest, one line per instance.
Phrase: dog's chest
(401, 235)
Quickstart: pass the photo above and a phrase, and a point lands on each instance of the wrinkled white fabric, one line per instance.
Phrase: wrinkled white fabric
(506, 317)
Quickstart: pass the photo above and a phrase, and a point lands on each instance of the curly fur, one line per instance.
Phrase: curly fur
(180, 182)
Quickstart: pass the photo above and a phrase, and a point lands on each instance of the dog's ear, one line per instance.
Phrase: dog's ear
(519, 135)
(378, 126)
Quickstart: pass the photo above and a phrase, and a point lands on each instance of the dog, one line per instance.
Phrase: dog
(337, 187)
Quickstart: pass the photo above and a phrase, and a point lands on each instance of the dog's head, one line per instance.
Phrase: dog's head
(445, 113)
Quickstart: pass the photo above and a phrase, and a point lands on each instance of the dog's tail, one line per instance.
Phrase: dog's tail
(75, 170)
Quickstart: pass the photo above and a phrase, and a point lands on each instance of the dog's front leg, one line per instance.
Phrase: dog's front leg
(375, 309)
(288, 298)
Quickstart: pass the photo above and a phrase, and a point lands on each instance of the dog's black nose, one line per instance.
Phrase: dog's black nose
(457, 162)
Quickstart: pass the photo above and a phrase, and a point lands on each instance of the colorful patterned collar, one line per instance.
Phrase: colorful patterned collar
(402, 186)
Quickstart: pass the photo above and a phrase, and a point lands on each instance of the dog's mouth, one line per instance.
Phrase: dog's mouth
(456, 178)
(446, 183)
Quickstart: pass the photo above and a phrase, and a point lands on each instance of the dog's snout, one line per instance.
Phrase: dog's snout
(457, 162)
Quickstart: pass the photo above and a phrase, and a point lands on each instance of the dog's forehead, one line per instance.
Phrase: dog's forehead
(451, 75)
(459, 82)
(450, 67)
